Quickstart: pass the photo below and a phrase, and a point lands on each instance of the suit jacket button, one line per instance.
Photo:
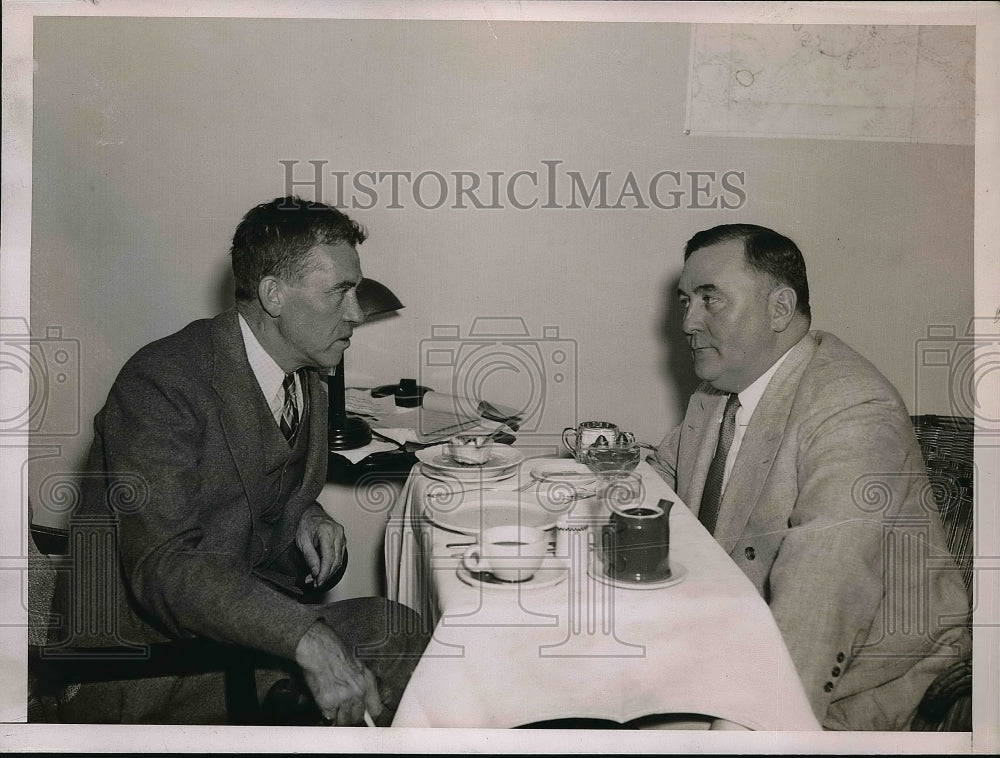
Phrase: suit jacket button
(840, 657)
(750, 553)
(828, 687)
(836, 671)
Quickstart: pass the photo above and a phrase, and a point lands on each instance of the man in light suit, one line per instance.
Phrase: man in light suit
(800, 458)
(208, 457)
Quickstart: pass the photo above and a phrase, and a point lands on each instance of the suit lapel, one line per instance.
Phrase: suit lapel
(238, 390)
(760, 446)
(318, 430)
(698, 441)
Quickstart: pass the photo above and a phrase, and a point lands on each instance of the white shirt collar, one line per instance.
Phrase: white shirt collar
(750, 397)
(266, 370)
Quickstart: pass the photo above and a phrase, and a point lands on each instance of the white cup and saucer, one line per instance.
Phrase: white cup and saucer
(510, 557)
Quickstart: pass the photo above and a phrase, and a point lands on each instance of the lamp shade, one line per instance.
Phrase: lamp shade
(348, 432)
(376, 299)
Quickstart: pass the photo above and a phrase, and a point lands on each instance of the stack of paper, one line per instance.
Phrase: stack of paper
(440, 417)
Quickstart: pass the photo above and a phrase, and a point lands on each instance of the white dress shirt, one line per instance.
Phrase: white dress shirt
(268, 373)
(749, 398)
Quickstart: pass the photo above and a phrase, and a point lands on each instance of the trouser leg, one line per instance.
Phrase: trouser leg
(388, 637)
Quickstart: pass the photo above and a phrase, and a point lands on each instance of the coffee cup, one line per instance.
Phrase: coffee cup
(587, 433)
(509, 553)
(636, 542)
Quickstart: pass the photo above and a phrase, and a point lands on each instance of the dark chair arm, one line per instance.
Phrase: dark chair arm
(49, 540)
(947, 704)
(71, 665)
(53, 668)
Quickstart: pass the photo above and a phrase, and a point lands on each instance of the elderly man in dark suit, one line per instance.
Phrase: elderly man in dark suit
(220, 434)
(779, 446)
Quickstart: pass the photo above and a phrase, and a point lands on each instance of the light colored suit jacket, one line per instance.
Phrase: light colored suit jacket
(829, 512)
(179, 459)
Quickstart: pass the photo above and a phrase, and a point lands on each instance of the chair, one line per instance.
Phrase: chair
(947, 444)
(55, 670)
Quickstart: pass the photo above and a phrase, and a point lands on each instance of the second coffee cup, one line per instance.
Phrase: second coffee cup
(509, 553)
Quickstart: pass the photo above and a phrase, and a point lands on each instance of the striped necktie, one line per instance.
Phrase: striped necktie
(711, 497)
(290, 410)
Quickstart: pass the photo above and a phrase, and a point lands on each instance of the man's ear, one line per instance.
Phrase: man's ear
(271, 295)
(782, 301)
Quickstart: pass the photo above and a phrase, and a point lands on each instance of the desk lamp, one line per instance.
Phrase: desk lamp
(348, 432)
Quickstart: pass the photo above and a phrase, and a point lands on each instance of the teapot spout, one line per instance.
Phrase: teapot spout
(666, 505)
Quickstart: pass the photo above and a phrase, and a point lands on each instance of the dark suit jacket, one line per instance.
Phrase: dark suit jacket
(829, 513)
(178, 458)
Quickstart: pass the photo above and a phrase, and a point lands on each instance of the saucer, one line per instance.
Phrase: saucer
(446, 476)
(438, 463)
(549, 574)
(596, 570)
(563, 472)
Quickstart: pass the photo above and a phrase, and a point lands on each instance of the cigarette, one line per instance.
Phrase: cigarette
(368, 718)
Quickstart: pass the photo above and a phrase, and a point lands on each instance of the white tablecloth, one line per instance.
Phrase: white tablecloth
(502, 657)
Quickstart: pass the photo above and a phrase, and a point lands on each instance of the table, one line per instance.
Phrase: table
(360, 496)
(504, 657)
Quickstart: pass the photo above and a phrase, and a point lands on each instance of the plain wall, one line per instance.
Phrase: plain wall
(153, 136)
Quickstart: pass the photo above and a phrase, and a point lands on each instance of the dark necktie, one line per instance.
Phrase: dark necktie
(711, 497)
(290, 410)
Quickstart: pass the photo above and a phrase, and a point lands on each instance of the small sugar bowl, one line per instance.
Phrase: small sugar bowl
(470, 449)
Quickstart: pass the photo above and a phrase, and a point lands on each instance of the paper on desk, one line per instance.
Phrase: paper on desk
(438, 418)
(404, 434)
(359, 454)
(361, 402)
(466, 406)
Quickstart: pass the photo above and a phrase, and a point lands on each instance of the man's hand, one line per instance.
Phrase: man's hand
(322, 542)
(341, 685)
